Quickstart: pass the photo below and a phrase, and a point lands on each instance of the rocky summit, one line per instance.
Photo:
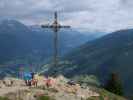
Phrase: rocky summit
(59, 89)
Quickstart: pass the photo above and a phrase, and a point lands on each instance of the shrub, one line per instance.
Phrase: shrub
(114, 85)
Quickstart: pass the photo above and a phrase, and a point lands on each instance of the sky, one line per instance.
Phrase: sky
(88, 15)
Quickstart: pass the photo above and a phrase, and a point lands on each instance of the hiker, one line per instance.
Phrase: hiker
(32, 75)
(48, 82)
(8, 82)
(29, 82)
(34, 82)
(27, 78)
(11, 83)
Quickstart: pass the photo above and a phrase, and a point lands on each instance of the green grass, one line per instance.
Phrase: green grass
(105, 95)
(45, 98)
(4, 98)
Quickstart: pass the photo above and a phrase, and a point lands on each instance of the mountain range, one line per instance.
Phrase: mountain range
(32, 46)
(101, 57)
(22, 45)
(19, 40)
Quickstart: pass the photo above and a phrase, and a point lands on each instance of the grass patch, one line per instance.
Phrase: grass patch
(45, 98)
(4, 98)
(105, 95)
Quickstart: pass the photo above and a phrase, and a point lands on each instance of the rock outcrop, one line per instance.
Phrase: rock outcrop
(59, 89)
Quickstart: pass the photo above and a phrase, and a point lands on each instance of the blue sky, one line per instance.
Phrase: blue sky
(89, 15)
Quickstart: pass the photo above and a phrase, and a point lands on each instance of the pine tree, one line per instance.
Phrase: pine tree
(114, 85)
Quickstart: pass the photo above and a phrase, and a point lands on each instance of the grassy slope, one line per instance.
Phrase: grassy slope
(105, 95)
(111, 53)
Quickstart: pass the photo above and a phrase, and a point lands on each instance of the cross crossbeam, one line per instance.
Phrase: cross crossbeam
(56, 27)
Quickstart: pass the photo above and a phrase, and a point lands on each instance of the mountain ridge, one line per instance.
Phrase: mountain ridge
(101, 57)
(28, 46)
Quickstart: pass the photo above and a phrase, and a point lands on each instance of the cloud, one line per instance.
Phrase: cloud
(90, 15)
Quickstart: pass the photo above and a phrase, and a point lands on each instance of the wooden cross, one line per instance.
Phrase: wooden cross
(56, 27)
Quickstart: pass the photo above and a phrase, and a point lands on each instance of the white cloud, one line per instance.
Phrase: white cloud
(101, 15)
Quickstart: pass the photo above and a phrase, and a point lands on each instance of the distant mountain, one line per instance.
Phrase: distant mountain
(68, 38)
(14, 40)
(111, 53)
(18, 40)
(32, 45)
